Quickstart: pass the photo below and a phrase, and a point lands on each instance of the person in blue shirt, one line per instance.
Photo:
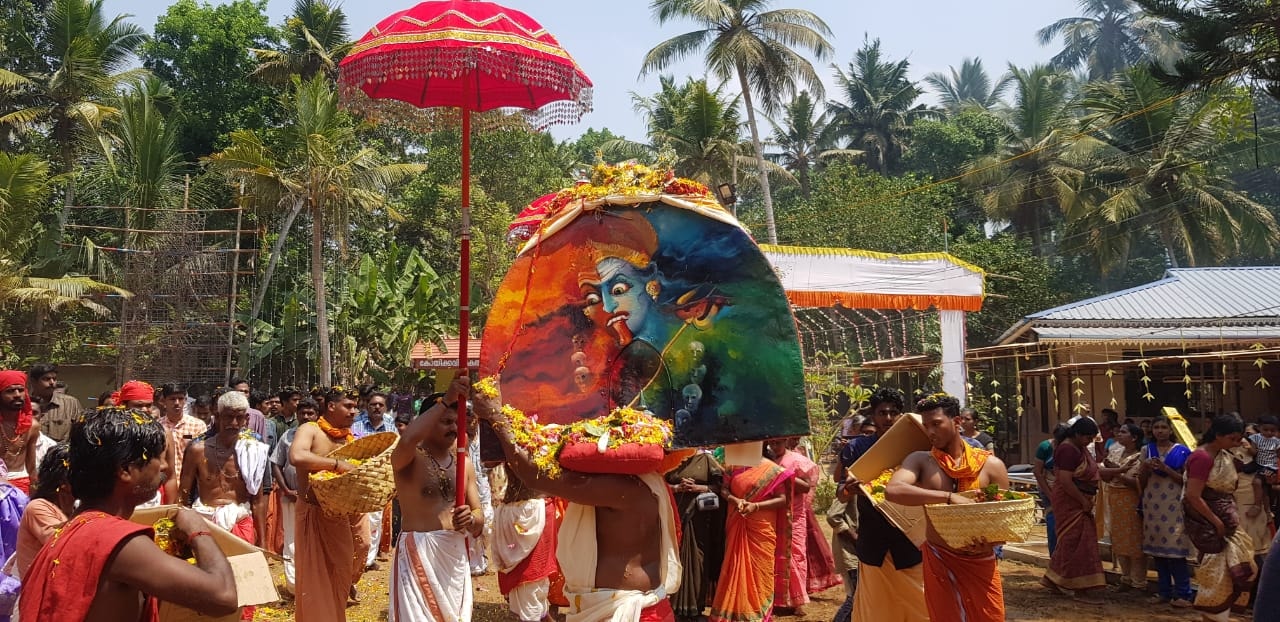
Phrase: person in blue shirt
(374, 419)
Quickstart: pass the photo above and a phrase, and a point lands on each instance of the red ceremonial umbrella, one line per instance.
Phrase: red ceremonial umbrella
(473, 56)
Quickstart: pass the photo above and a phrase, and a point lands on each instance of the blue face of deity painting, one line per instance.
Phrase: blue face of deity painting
(622, 295)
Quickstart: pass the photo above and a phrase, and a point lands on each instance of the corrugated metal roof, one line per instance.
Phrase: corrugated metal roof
(1154, 334)
(1184, 294)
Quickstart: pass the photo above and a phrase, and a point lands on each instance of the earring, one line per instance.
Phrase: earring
(652, 289)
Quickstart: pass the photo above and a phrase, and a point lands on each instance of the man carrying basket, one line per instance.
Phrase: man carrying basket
(431, 577)
(958, 584)
(329, 550)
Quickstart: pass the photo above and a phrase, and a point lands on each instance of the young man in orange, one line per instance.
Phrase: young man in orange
(958, 584)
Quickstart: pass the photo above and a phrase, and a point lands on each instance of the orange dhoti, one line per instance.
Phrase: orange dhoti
(329, 555)
(962, 587)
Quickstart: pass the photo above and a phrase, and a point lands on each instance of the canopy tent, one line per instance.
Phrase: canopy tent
(826, 277)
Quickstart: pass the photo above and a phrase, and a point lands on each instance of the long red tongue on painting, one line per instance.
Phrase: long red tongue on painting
(624, 332)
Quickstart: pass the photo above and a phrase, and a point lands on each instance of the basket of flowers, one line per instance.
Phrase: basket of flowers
(998, 516)
(366, 488)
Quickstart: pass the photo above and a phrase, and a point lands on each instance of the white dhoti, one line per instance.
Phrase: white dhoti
(576, 551)
(528, 601)
(431, 579)
(375, 537)
(288, 514)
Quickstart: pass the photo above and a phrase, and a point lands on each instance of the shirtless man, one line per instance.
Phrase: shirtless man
(18, 430)
(431, 579)
(958, 584)
(619, 518)
(329, 551)
(229, 471)
(102, 567)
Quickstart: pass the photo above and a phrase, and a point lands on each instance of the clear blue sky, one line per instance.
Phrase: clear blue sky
(609, 38)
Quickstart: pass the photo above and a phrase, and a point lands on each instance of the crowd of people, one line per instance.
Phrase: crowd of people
(1153, 499)
(697, 538)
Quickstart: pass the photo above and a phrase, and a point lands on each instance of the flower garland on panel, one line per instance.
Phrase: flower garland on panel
(544, 443)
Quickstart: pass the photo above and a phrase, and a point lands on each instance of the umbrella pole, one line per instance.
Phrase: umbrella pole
(464, 306)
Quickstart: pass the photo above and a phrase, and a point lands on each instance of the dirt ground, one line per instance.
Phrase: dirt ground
(1024, 600)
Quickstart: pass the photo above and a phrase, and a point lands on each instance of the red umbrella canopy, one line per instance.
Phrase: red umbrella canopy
(470, 55)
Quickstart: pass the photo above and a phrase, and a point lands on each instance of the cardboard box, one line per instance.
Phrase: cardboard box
(907, 435)
(254, 584)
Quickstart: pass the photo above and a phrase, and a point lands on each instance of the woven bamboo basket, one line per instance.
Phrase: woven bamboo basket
(368, 487)
(969, 524)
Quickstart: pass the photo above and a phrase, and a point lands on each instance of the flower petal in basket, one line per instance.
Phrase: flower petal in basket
(368, 487)
(625, 459)
(964, 525)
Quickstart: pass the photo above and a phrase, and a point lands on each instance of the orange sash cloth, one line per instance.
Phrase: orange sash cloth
(540, 563)
(275, 528)
(963, 470)
(324, 554)
(962, 587)
(63, 580)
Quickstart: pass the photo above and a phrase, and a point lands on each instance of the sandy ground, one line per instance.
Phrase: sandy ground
(1024, 600)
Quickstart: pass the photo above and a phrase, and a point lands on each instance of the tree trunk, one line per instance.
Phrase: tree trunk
(317, 283)
(770, 227)
(1167, 238)
(272, 262)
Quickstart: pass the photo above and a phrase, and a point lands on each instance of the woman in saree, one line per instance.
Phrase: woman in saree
(1075, 565)
(1212, 523)
(1163, 537)
(702, 526)
(1120, 472)
(755, 497)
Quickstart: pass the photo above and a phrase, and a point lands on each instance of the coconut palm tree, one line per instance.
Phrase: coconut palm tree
(743, 39)
(1161, 171)
(1111, 36)
(879, 103)
(806, 137)
(1033, 179)
(316, 164)
(24, 186)
(969, 86)
(316, 37)
(700, 125)
(90, 59)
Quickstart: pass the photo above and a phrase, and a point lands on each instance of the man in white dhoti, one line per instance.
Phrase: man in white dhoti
(617, 543)
(430, 577)
(230, 469)
(524, 551)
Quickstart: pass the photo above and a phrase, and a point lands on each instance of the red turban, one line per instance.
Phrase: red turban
(134, 391)
(9, 378)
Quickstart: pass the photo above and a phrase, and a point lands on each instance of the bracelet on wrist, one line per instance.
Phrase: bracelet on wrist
(197, 534)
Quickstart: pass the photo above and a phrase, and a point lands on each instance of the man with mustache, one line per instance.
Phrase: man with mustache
(18, 430)
(431, 576)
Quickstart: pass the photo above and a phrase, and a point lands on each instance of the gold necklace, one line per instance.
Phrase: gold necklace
(444, 486)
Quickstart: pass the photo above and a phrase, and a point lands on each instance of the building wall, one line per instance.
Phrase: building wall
(1243, 393)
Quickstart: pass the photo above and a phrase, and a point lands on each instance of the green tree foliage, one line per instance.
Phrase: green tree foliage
(1026, 283)
(387, 304)
(1033, 179)
(1111, 36)
(202, 51)
(967, 87)
(941, 148)
(878, 104)
(699, 124)
(589, 144)
(744, 40)
(1159, 170)
(1224, 40)
(852, 207)
(316, 38)
(88, 57)
(805, 138)
(318, 162)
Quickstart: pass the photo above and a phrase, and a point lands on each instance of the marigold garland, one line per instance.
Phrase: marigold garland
(629, 179)
(544, 443)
